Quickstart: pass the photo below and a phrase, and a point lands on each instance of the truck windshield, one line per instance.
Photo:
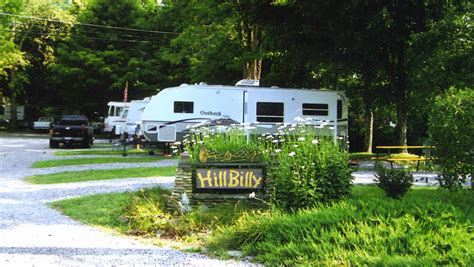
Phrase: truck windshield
(72, 122)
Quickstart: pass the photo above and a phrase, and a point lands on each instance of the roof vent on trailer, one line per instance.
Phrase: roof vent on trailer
(246, 82)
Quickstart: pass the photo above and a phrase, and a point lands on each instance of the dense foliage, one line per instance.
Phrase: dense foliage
(308, 170)
(391, 58)
(427, 227)
(451, 129)
(395, 182)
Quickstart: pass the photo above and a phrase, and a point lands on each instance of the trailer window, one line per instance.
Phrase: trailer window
(183, 107)
(315, 109)
(269, 112)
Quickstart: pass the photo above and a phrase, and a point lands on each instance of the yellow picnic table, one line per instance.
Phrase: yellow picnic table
(419, 157)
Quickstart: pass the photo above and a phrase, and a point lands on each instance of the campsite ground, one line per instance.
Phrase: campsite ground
(33, 233)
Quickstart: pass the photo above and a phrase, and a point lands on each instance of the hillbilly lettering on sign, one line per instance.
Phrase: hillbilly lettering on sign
(229, 178)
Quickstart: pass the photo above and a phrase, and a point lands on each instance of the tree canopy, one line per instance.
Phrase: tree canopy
(392, 58)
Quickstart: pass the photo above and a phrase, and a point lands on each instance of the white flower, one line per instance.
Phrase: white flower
(295, 145)
(301, 139)
(315, 141)
(277, 150)
(275, 141)
(292, 154)
(252, 195)
(175, 151)
(177, 143)
(201, 142)
(270, 137)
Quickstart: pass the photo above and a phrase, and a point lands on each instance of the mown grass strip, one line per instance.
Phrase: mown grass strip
(98, 152)
(97, 210)
(361, 155)
(66, 162)
(91, 175)
(105, 210)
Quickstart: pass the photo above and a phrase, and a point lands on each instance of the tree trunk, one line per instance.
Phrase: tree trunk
(402, 126)
(13, 104)
(369, 134)
(251, 36)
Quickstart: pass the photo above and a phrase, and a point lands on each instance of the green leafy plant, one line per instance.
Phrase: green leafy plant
(308, 169)
(451, 130)
(395, 182)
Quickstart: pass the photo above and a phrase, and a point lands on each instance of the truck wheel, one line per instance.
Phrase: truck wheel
(86, 144)
(53, 144)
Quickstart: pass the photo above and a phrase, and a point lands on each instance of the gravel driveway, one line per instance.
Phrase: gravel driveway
(32, 234)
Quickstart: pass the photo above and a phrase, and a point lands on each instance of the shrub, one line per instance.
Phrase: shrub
(451, 130)
(309, 169)
(395, 182)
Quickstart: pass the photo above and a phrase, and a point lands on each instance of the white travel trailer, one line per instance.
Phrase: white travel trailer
(130, 120)
(113, 115)
(173, 110)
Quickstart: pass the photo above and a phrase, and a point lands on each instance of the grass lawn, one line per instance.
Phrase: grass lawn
(81, 161)
(361, 155)
(79, 176)
(98, 152)
(98, 210)
(429, 226)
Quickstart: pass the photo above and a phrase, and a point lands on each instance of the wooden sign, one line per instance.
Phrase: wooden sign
(229, 178)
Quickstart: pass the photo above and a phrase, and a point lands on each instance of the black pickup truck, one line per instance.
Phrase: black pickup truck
(71, 129)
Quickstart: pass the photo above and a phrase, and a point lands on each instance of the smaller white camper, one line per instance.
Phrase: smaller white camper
(173, 110)
(114, 113)
(131, 117)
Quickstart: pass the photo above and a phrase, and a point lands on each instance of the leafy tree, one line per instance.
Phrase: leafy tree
(32, 30)
(379, 41)
(97, 62)
(451, 130)
(220, 41)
